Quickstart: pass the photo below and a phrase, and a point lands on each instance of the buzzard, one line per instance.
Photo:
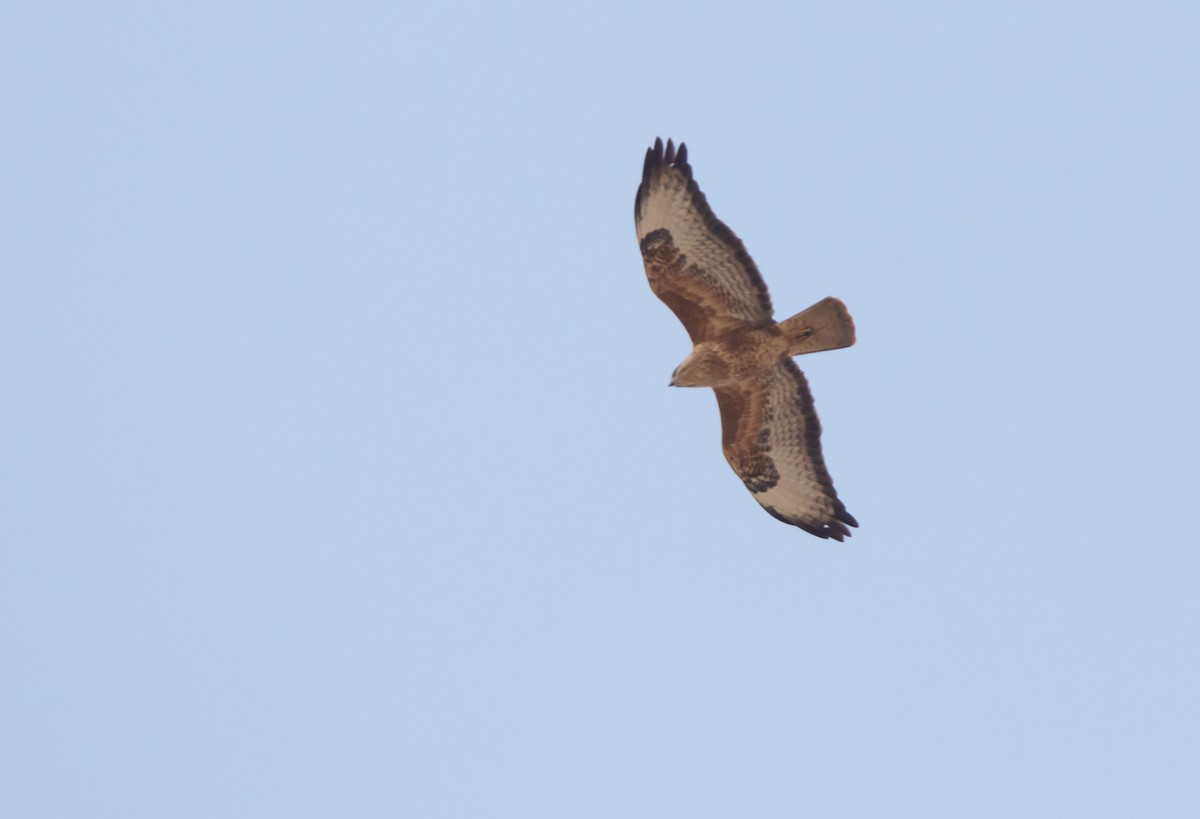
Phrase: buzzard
(701, 270)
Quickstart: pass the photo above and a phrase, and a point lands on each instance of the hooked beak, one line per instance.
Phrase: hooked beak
(673, 384)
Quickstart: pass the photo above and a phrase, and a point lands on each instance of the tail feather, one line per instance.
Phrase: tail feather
(824, 326)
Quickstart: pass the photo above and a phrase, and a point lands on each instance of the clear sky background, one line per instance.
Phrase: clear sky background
(340, 475)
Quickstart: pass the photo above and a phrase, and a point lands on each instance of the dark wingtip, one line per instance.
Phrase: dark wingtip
(834, 530)
(660, 156)
(654, 156)
(668, 154)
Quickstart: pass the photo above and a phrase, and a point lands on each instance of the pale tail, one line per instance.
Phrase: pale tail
(824, 326)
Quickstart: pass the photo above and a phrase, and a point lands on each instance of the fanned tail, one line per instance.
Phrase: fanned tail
(824, 326)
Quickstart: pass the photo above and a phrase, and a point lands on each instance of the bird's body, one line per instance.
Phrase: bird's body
(730, 357)
(701, 270)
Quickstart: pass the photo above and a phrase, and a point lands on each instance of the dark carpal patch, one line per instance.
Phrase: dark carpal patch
(656, 239)
(759, 475)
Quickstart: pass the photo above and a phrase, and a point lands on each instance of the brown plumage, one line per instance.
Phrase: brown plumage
(701, 270)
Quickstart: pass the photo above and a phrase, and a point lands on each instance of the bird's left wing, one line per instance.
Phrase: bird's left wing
(695, 263)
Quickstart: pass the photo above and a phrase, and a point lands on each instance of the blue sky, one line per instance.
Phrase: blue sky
(340, 475)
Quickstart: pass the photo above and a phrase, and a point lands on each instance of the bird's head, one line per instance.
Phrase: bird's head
(705, 367)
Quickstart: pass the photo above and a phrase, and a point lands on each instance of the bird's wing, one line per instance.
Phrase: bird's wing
(772, 439)
(695, 264)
